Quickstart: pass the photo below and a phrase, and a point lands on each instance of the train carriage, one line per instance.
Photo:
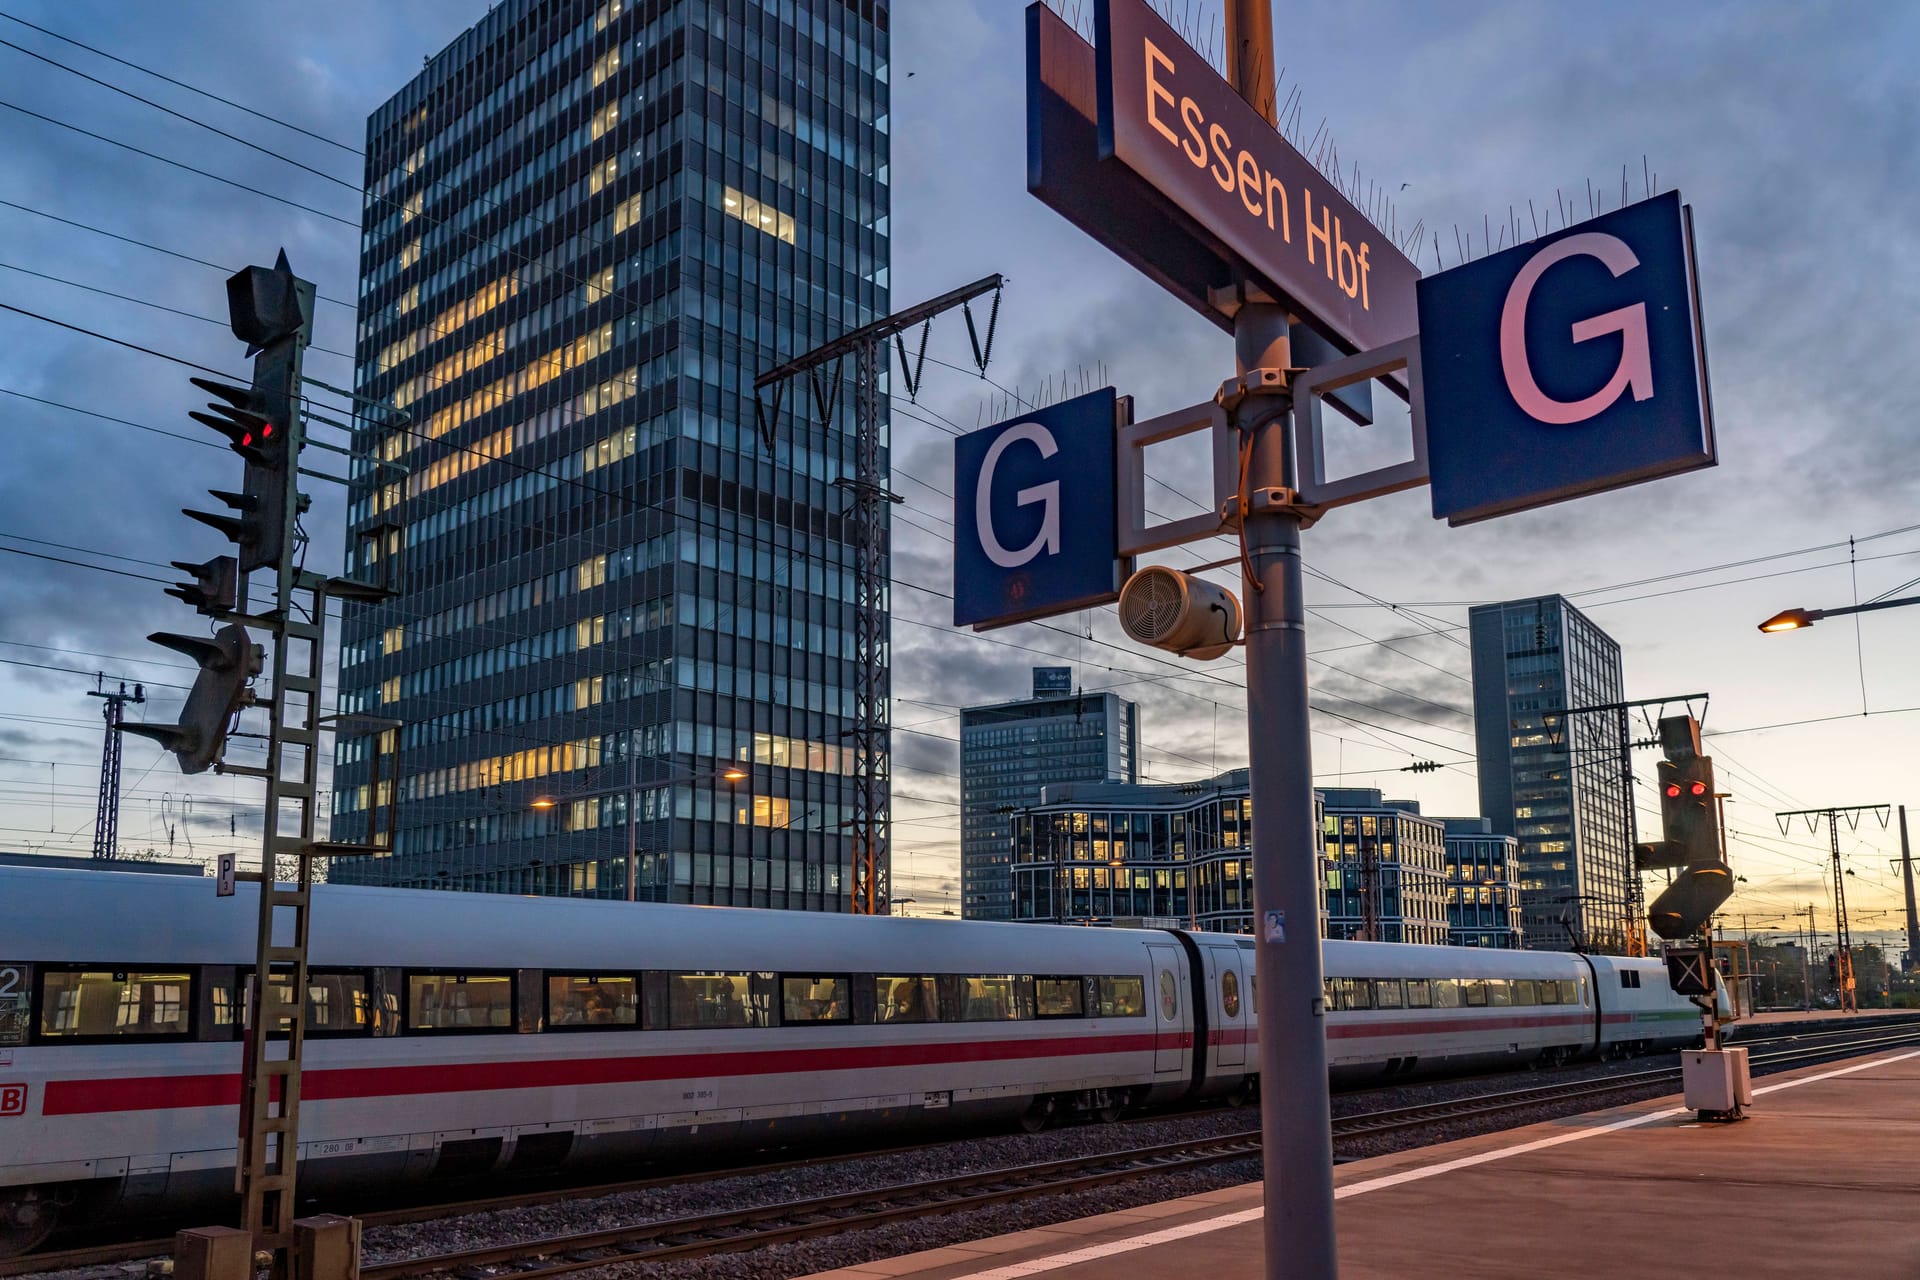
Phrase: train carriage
(464, 1035)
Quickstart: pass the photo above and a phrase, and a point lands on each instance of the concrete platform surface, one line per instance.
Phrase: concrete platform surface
(1823, 1179)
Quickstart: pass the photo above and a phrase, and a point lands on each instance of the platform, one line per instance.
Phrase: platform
(1823, 1179)
(1778, 1016)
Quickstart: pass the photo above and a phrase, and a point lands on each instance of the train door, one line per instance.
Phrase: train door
(1169, 1018)
(1231, 1049)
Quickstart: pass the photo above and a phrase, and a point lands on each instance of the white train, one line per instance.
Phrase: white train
(456, 1035)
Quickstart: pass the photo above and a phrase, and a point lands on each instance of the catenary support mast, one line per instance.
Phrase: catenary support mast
(869, 498)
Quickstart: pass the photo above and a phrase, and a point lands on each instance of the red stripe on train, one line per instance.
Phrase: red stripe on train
(1354, 1030)
(155, 1093)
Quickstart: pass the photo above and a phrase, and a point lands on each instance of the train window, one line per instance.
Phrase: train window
(1349, 993)
(84, 1004)
(600, 1000)
(1122, 997)
(1525, 991)
(1573, 991)
(1169, 996)
(1446, 993)
(459, 1002)
(1549, 991)
(1230, 993)
(709, 999)
(1059, 997)
(1474, 993)
(908, 999)
(1419, 993)
(816, 999)
(1387, 994)
(1498, 992)
(991, 999)
(1629, 978)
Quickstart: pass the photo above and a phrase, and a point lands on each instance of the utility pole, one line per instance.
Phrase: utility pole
(1913, 916)
(869, 500)
(106, 815)
(1843, 938)
(1806, 963)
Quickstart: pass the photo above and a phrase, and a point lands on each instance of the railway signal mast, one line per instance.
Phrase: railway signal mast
(272, 312)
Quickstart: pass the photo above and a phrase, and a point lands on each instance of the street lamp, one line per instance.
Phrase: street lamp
(1800, 619)
(730, 775)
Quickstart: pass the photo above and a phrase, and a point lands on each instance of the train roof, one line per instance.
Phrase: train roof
(86, 916)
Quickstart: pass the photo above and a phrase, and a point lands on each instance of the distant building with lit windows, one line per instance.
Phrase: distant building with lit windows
(588, 225)
(1178, 853)
(1483, 902)
(1385, 877)
(1550, 780)
(1010, 751)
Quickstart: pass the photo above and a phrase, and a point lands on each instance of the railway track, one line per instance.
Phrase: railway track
(760, 1226)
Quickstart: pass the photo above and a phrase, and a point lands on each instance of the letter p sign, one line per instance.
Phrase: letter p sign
(1034, 529)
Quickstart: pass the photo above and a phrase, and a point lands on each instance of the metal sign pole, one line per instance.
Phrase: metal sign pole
(1296, 1120)
(1295, 1113)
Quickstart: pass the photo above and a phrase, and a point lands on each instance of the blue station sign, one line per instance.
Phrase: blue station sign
(1566, 366)
(1035, 530)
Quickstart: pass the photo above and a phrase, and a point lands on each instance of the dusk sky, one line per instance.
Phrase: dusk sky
(1788, 132)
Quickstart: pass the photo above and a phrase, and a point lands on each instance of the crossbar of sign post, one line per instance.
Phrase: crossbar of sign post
(1562, 367)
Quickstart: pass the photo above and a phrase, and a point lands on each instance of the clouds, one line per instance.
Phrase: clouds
(1789, 132)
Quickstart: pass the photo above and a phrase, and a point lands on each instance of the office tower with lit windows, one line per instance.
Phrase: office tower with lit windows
(1550, 779)
(1009, 751)
(589, 225)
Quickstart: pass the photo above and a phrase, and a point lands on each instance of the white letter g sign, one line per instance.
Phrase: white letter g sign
(1635, 370)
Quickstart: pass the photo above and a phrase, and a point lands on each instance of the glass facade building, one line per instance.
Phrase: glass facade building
(1384, 865)
(1549, 779)
(1178, 853)
(589, 225)
(1009, 752)
(1483, 902)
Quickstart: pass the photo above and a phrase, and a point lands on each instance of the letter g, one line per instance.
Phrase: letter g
(1048, 494)
(1636, 362)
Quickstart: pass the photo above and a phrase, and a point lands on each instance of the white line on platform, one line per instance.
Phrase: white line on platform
(1202, 1226)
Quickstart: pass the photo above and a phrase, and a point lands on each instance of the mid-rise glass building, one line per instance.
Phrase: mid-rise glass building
(1169, 854)
(1385, 869)
(1550, 779)
(1009, 751)
(589, 225)
(1483, 903)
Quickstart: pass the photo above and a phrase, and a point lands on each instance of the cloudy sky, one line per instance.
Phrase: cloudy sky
(1789, 133)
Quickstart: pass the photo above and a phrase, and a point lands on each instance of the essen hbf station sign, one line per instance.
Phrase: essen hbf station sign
(1180, 176)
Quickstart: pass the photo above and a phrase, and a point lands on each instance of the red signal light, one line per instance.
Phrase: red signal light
(266, 432)
(1673, 789)
(1699, 788)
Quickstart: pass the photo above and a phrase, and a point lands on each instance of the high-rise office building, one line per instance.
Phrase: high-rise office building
(1009, 751)
(1551, 779)
(589, 225)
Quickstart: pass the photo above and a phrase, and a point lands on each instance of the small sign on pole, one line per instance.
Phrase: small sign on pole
(1033, 514)
(224, 874)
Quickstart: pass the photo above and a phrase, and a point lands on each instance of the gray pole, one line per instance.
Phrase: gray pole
(1913, 916)
(1296, 1120)
(1295, 1115)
